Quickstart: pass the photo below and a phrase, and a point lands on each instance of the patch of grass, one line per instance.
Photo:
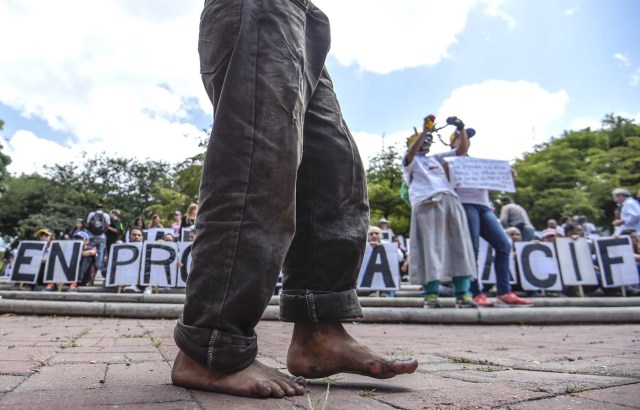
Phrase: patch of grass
(155, 341)
(71, 341)
(144, 334)
(571, 389)
(367, 393)
(330, 379)
(460, 359)
(487, 369)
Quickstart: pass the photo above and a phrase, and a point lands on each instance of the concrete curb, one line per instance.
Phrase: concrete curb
(397, 302)
(541, 315)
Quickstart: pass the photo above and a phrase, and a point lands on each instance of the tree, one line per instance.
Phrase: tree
(384, 178)
(575, 173)
(5, 160)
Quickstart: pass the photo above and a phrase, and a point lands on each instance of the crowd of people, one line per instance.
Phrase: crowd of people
(447, 224)
(98, 232)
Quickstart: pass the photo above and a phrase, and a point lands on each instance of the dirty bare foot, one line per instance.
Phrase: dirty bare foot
(323, 349)
(257, 380)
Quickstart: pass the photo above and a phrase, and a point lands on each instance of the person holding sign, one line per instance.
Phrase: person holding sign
(484, 223)
(283, 186)
(440, 243)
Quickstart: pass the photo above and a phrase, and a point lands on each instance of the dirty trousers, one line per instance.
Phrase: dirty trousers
(282, 187)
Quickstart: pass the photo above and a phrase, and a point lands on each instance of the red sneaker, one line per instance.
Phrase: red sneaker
(512, 300)
(73, 287)
(482, 301)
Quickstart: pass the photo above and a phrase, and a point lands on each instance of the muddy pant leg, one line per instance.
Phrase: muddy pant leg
(332, 217)
(261, 61)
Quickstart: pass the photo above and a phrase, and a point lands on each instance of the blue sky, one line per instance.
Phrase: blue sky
(123, 78)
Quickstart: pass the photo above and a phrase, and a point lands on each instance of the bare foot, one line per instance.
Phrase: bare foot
(323, 349)
(257, 380)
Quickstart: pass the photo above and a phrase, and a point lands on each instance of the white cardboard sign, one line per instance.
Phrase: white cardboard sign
(26, 264)
(63, 263)
(159, 264)
(538, 266)
(616, 261)
(574, 259)
(379, 270)
(123, 267)
(469, 172)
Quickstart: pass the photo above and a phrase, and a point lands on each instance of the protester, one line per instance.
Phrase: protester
(514, 215)
(177, 223)
(629, 210)
(87, 270)
(139, 223)
(374, 238)
(483, 223)
(553, 224)
(155, 222)
(79, 226)
(385, 225)
(44, 235)
(549, 235)
(135, 235)
(282, 182)
(114, 230)
(189, 218)
(97, 223)
(441, 248)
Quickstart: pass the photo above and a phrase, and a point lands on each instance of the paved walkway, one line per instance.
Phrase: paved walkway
(82, 362)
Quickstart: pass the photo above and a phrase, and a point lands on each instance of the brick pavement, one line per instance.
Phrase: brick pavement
(84, 362)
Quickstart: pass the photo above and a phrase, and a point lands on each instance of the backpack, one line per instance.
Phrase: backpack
(97, 225)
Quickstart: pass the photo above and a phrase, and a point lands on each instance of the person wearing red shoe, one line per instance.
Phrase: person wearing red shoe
(512, 300)
(484, 223)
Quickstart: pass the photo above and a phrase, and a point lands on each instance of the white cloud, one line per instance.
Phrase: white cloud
(623, 58)
(120, 77)
(570, 12)
(635, 77)
(381, 36)
(493, 8)
(509, 118)
(117, 77)
(585, 122)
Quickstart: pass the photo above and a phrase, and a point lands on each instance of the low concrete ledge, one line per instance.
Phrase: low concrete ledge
(396, 302)
(540, 315)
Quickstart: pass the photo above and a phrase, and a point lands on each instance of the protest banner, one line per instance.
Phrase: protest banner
(486, 265)
(469, 172)
(616, 261)
(123, 267)
(29, 258)
(379, 270)
(63, 263)
(159, 264)
(186, 233)
(538, 266)
(156, 234)
(574, 259)
(184, 267)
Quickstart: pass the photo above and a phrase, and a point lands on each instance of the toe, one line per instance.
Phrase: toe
(262, 389)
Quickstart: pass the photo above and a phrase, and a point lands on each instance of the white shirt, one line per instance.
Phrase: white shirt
(630, 215)
(476, 196)
(426, 177)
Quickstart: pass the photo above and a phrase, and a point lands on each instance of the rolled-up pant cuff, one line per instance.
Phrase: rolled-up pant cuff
(317, 306)
(215, 349)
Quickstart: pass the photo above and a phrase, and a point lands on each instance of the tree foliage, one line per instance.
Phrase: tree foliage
(5, 160)
(384, 178)
(575, 173)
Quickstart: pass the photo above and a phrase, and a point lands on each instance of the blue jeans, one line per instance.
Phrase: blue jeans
(100, 242)
(483, 222)
(283, 185)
